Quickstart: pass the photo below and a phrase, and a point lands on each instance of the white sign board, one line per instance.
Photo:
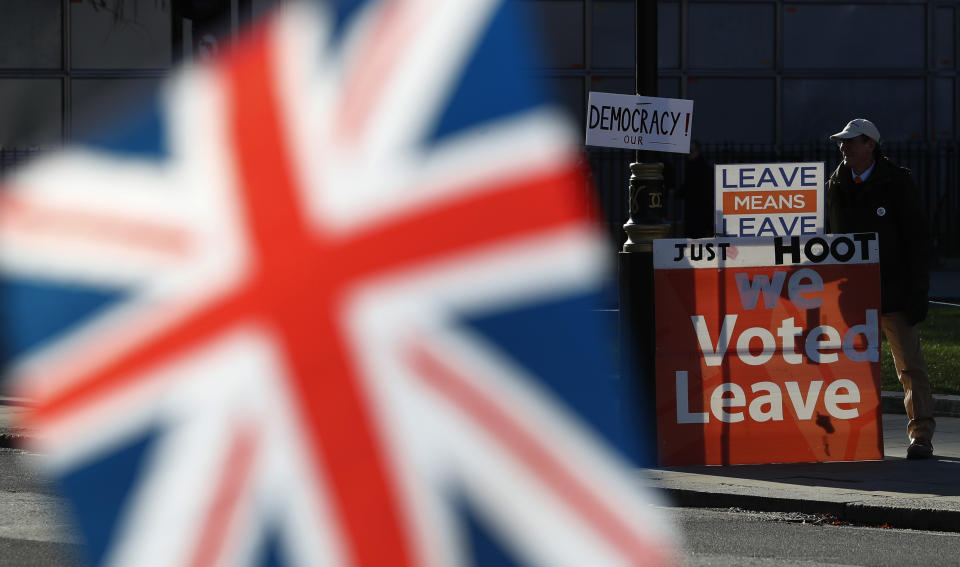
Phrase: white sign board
(722, 252)
(768, 199)
(639, 122)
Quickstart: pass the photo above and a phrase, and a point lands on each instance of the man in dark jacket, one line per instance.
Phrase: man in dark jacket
(868, 193)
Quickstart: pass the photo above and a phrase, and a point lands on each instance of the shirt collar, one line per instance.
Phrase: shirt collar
(865, 174)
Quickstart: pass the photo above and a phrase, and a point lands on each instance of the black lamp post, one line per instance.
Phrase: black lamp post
(646, 223)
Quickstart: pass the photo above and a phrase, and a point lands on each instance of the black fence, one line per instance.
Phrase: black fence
(11, 158)
(935, 167)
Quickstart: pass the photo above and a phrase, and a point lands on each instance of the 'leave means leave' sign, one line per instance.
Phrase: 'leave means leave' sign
(768, 199)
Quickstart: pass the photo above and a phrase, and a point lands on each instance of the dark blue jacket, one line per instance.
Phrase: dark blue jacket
(887, 203)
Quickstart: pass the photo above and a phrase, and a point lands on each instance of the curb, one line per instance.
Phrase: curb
(854, 512)
(943, 406)
(13, 441)
(12, 437)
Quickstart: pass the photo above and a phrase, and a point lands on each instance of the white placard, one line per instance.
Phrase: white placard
(639, 122)
(768, 199)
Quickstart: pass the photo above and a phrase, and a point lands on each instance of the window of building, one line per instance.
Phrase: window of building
(130, 34)
(32, 36)
(943, 108)
(944, 44)
(612, 37)
(726, 35)
(820, 36)
(732, 109)
(37, 120)
(562, 24)
(816, 108)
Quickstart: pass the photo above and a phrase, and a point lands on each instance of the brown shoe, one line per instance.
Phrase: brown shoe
(920, 450)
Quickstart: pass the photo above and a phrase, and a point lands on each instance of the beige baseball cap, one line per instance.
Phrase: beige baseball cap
(857, 127)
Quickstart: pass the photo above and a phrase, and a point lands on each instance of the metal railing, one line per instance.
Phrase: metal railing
(935, 167)
(11, 158)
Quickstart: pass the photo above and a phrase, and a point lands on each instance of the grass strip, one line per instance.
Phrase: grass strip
(940, 340)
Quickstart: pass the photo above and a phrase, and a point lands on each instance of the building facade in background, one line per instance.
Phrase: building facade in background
(759, 71)
(68, 66)
(772, 71)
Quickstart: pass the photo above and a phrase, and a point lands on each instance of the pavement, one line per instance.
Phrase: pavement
(894, 492)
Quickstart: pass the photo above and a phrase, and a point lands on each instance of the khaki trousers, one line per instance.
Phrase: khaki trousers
(904, 342)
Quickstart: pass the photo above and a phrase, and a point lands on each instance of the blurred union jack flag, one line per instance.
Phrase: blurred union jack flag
(328, 300)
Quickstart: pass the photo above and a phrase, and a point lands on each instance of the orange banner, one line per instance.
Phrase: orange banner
(769, 364)
(769, 202)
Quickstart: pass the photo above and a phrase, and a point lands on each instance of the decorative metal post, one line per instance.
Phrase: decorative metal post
(646, 201)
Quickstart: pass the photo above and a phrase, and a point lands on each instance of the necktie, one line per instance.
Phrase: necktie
(857, 179)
